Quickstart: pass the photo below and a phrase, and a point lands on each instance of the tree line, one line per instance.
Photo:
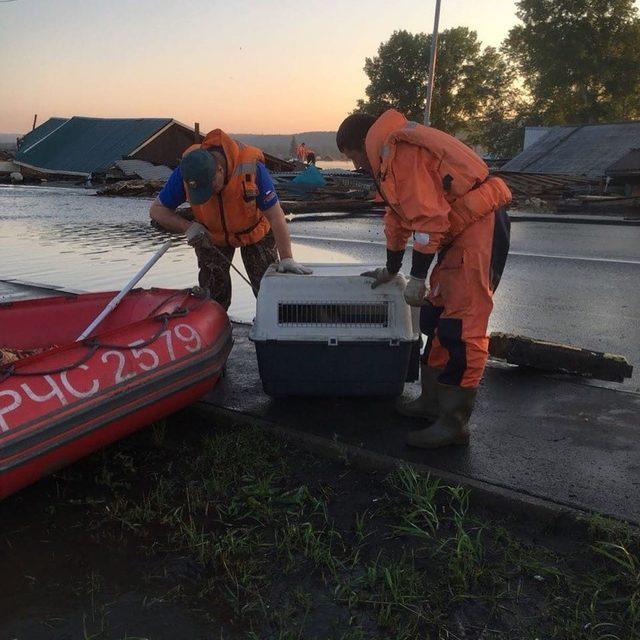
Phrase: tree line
(566, 62)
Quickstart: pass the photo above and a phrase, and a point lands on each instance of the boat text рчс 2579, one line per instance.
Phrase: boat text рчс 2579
(158, 351)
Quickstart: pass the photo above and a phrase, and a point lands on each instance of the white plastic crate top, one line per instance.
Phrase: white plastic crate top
(332, 305)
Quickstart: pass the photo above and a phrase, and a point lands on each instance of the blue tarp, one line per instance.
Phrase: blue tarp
(310, 177)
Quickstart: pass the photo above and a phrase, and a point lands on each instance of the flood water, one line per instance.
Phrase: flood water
(569, 283)
(72, 238)
(335, 164)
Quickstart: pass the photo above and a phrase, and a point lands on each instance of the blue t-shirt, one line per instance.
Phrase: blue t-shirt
(173, 193)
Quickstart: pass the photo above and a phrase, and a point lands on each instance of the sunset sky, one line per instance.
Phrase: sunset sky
(253, 67)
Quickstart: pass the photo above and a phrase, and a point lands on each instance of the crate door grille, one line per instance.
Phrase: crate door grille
(333, 314)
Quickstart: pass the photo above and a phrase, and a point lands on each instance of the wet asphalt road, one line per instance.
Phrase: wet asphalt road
(543, 436)
(573, 283)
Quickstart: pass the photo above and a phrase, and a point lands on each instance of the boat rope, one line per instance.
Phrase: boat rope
(11, 369)
(94, 344)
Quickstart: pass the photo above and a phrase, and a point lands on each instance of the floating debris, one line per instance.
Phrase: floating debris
(142, 188)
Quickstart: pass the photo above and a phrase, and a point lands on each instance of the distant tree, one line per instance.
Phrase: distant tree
(499, 126)
(470, 81)
(293, 147)
(578, 59)
(500, 130)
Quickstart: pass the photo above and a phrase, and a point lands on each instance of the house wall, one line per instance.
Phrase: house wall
(277, 164)
(42, 174)
(632, 186)
(7, 167)
(168, 147)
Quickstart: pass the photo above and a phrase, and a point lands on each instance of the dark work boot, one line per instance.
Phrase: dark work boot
(425, 406)
(452, 426)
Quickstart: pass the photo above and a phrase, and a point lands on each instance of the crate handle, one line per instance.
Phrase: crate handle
(394, 343)
(333, 342)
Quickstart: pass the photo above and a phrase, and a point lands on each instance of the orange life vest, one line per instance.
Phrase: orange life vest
(232, 216)
(466, 184)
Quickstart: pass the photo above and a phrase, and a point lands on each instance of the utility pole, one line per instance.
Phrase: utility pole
(432, 66)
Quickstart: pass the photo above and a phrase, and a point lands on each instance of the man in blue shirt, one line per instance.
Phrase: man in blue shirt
(173, 193)
(235, 205)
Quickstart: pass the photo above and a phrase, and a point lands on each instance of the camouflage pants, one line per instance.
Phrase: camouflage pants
(214, 269)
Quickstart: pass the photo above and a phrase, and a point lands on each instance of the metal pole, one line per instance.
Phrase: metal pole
(132, 283)
(432, 66)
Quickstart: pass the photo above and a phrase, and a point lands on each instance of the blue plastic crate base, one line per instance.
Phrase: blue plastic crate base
(332, 335)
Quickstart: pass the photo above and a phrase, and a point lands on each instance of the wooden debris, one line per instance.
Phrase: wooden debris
(548, 188)
(561, 358)
(7, 355)
(143, 188)
(602, 204)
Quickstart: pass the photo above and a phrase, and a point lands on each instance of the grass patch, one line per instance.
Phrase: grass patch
(254, 538)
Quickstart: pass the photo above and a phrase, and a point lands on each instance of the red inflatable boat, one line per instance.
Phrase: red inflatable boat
(157, 352)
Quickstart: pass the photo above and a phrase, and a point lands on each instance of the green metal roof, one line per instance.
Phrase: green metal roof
(85, 145)
(29, 139)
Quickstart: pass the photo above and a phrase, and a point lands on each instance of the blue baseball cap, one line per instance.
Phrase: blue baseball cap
(198, 169)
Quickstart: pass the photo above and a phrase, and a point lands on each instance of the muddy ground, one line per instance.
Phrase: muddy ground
(188, 531)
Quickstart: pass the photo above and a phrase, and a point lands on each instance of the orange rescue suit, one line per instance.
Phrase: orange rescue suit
(232, 216)
(439, 190)
(434, 185)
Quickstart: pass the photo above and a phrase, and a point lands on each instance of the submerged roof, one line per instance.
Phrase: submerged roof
(83, 145)
(29, 139)
(629, 164)
(582, 150)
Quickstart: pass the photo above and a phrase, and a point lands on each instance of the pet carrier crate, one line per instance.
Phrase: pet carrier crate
(330, 334)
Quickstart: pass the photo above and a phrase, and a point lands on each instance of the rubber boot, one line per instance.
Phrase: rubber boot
(425, 406)
(452, 426)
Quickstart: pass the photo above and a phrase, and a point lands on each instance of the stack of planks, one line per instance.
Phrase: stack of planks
(547, 187)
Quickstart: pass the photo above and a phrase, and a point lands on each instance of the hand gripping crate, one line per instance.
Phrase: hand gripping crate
(332, 335)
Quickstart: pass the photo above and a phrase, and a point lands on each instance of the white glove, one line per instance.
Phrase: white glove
(198, 235)
(416, 292)
(380, 276)
(289, 265)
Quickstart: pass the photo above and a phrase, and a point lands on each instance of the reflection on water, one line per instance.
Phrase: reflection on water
(335, 164)
(72, 238)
